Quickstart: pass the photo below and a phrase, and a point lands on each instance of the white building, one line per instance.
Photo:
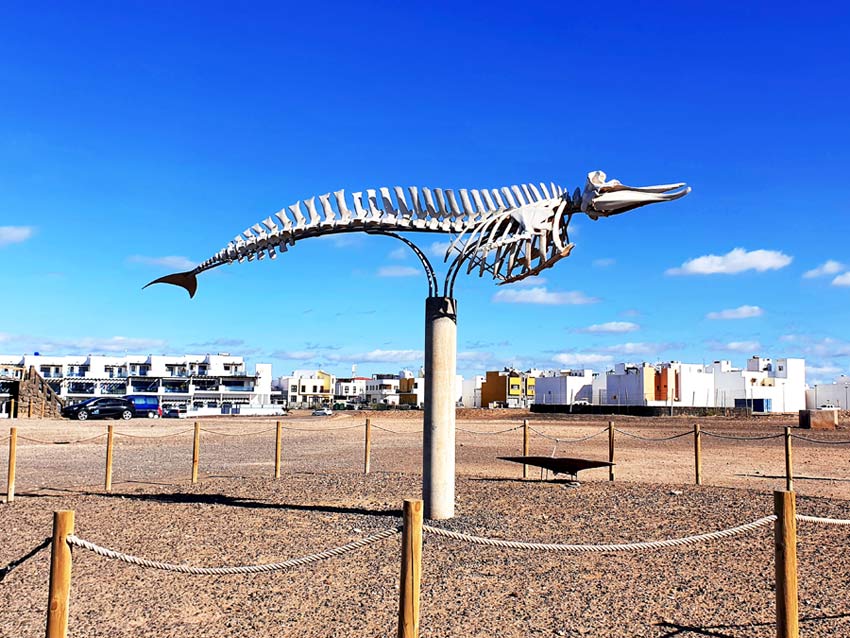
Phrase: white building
(564, 387)
(830, 395)
(307, 389)
(471, 391)
(382, 389)
(351, 389)
(192, 381)
(763, 386)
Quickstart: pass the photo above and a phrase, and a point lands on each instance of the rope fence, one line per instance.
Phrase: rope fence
(783, 520)
(219, 433)
(154, 436)
(560, 440)
(526, 428)
(233, 571)
(42, 441)
(482, 432)
(651, 438)
(619, 547)
(818, 441)
(731, 437)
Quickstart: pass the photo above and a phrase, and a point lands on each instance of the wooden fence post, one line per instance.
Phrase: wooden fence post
(196, 451)
(525, 446)
(789, 468)
(42, 406)
(367, 449)
(697, 454)
(10, 477)
(12, 414)
(610, 450)
(59, 598)
(29, 408)
(411, 570)
(277, 441)
(785, 543)
(107, 483)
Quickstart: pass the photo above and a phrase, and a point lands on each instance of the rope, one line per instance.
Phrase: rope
(558, 440)
(622, 547)
(651, 438)
(824, 521)
(18, 561)
(481, 432)
(743, 438)
(231, 571)
(819, 441)
(344, 427)
(237, 433)
(378, 427)
(91, 438)
(154, 436)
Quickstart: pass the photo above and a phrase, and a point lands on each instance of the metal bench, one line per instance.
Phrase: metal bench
(559, 465)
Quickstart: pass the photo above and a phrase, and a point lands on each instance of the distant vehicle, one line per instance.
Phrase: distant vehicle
(174, 413)
(323, 412)
(581, 402)
(100, 408)
(146, 406)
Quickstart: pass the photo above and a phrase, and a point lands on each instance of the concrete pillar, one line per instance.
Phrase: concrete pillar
(438, 444)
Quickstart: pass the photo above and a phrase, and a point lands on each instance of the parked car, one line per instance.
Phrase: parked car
(100, 408)
(323, 412)
(145, 405)
(175, 413)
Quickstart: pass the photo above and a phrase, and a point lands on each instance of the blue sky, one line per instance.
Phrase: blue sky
(139, 138)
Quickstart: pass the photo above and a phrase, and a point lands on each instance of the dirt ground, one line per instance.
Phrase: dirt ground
(237, 514)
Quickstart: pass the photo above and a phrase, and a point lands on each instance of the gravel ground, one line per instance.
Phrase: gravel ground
(237, 515)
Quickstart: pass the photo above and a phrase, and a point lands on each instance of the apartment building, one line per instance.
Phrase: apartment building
(307, 388)
(350, 389)
(508, 388)
(829, 395)
(564, 387)
(763, 385)
(191, 381)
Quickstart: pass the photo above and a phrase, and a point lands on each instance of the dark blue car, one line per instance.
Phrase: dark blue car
(146, 406)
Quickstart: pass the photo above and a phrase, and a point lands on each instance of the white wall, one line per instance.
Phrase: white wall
(564, 388)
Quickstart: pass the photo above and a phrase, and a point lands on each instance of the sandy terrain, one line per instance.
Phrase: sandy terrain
(238, 515)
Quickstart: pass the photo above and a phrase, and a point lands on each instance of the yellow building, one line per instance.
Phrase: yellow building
(508, 388)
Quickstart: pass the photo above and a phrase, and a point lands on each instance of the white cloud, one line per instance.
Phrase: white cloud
(638, 347)
(735, 261)
(747, 347)
(612, 327)
(541, 295)
(528, 282)
(829, 267)
(823, 371)
(15, 234)
(399, 253)
(174, 262)
(398, 271)
(131, 345)
(604, 263)
(842, 280)
(741, 312)
(581, 359)
(439, 248)
(296, 355)
(472, 356)
(380, 356)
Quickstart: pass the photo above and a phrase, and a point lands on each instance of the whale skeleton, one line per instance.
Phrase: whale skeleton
(511, 232)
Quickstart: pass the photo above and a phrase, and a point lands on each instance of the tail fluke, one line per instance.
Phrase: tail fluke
(187, 280)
